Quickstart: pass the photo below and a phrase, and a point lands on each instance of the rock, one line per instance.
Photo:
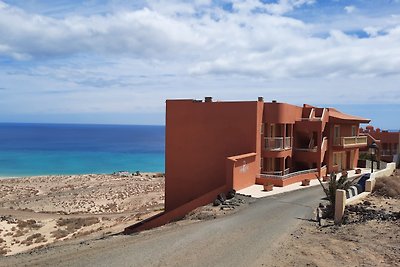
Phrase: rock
(231, 194)
(217, 202)
(222, 197)
(367, 203)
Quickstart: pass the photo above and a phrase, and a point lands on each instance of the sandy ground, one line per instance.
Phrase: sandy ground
(86, 207)
(36, 211)
(369, 237)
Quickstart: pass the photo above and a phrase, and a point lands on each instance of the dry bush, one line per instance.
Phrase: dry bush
(73, 224)
(32, 238)
(19, 233)
(35, 238)
(3, 251)
(388, 187)
(2, 240)
(30, 224)
(60, 233)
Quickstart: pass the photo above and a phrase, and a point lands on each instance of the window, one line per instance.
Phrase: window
(353, 130)
(272, 130)
(336, 134)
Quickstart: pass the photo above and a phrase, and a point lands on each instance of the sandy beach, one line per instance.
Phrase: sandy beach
(36, 211)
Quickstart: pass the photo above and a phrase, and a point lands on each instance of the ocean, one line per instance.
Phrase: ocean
(28, 149)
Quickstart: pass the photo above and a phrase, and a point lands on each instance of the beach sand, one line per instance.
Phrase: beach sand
(36, 211)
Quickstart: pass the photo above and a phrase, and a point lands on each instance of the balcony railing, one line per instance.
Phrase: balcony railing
(287, 175)
(388, 152)
(351, 141)
(277, 173)
(278, 143)
(288, 143)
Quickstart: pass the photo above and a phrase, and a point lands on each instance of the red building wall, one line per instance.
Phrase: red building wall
(199, 138)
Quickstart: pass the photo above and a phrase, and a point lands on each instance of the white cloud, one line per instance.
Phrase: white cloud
(132, 59)
(350, 9)
(284, 6)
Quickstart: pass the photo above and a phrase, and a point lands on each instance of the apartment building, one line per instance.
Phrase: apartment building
(213, 147)
(388, 143)
(218, 146)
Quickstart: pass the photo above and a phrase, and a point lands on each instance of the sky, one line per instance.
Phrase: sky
(99, 61)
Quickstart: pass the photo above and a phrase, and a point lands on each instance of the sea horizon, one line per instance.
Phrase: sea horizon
(36, 149)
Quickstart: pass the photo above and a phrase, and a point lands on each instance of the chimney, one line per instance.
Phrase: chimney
(260, 99)
(274, 101)
(208, 99)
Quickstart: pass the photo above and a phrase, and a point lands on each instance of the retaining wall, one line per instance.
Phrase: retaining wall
(351, 195)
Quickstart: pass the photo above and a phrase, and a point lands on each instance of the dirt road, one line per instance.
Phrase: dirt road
(245, 238)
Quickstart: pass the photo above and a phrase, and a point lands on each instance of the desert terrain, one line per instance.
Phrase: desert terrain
(36, 211)
(369, 235)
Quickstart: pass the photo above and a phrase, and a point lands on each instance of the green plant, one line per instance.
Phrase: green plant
(330, 190)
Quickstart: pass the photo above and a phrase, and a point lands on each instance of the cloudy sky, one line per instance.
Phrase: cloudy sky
(115, 61)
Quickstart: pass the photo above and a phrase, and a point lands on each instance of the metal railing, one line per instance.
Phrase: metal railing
(288, 142)
(388, 152)
(278, 173)
(278, 143)
(288, 175)
(314, 149)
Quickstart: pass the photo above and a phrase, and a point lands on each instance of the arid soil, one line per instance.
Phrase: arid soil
(36, 211)
(369, 236)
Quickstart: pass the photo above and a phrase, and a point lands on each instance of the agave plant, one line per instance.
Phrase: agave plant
(330, 190)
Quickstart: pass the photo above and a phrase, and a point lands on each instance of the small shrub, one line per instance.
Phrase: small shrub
(3, 251)
(30, 224)
(388, 187)
(59, 233)
(73, 224)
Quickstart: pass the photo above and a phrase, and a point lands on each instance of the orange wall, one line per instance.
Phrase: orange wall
(199, 138)
(281, 113)
(242, 170)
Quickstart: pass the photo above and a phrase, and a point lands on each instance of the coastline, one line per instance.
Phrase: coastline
(39, 210)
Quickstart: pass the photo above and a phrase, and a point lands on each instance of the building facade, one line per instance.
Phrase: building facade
(231, 145)
(213, 147)
(388, 143)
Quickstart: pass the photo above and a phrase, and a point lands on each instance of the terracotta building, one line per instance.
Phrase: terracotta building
(213, 147)
(388, 142)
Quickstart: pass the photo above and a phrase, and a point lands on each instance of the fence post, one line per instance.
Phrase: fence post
(369, 185)
(340, 203)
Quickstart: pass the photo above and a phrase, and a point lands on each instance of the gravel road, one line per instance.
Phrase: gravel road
(245, 238)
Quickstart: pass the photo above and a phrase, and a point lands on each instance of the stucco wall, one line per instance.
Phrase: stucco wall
(199, 138)
(242, 170)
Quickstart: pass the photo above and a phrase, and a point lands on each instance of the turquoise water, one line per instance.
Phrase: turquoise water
(44, 149)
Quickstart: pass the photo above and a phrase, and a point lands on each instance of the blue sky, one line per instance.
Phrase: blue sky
(117, 61)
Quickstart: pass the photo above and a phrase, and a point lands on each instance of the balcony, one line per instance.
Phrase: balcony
(278, 143)
(352, 141)
(388, 152)
(276, 173)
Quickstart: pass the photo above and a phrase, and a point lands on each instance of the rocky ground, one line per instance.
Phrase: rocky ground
(369, 235)
(36, 211)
